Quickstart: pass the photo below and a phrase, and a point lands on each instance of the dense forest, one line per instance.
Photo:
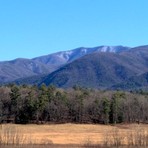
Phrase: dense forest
(32, 104)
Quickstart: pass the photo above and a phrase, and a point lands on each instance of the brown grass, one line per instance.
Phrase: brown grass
(71, 134)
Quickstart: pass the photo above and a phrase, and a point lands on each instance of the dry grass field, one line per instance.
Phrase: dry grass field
(70, 134)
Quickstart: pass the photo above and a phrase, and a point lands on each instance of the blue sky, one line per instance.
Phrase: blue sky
(30, 28)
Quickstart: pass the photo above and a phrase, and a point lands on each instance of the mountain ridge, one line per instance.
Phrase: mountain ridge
(130, 64)
(22, 67)
(101, 67)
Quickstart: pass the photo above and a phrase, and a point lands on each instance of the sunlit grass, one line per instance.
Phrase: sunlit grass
(76, 135)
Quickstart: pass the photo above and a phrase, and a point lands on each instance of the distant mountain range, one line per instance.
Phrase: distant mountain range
(103, 67)
(21, 68)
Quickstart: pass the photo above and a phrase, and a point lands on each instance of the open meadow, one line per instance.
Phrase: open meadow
(76, 135)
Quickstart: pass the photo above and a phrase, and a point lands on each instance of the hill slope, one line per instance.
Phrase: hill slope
(135, 82)
(18, 68)
(101, 70)
(22, 68)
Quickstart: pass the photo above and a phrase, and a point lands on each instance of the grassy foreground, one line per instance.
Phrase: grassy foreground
(73, 135)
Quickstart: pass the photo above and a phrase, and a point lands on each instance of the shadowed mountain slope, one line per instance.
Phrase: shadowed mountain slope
(135, 82)
(22, 68)
(18, 68)
(102, 70)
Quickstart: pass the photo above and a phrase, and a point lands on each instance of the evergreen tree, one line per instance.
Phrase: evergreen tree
(15, 97)
(106, 110)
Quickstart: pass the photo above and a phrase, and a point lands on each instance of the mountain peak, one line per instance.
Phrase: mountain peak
(20, 68)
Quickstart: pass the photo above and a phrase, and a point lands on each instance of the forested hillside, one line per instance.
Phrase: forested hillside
(22, 68)
(124, 70)
(30, 104)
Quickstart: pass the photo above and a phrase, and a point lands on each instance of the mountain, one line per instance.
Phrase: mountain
(11, 70)
(103, 67)
(23, 68)
(135, 82)
(63, 57)
(103, 70)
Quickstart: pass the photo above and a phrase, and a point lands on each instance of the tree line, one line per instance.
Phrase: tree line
(45, 104)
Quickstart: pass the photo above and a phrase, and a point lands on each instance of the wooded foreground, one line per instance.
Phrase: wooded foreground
(32, 104)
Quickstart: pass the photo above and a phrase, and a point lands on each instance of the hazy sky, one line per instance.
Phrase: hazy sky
(29, 28)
